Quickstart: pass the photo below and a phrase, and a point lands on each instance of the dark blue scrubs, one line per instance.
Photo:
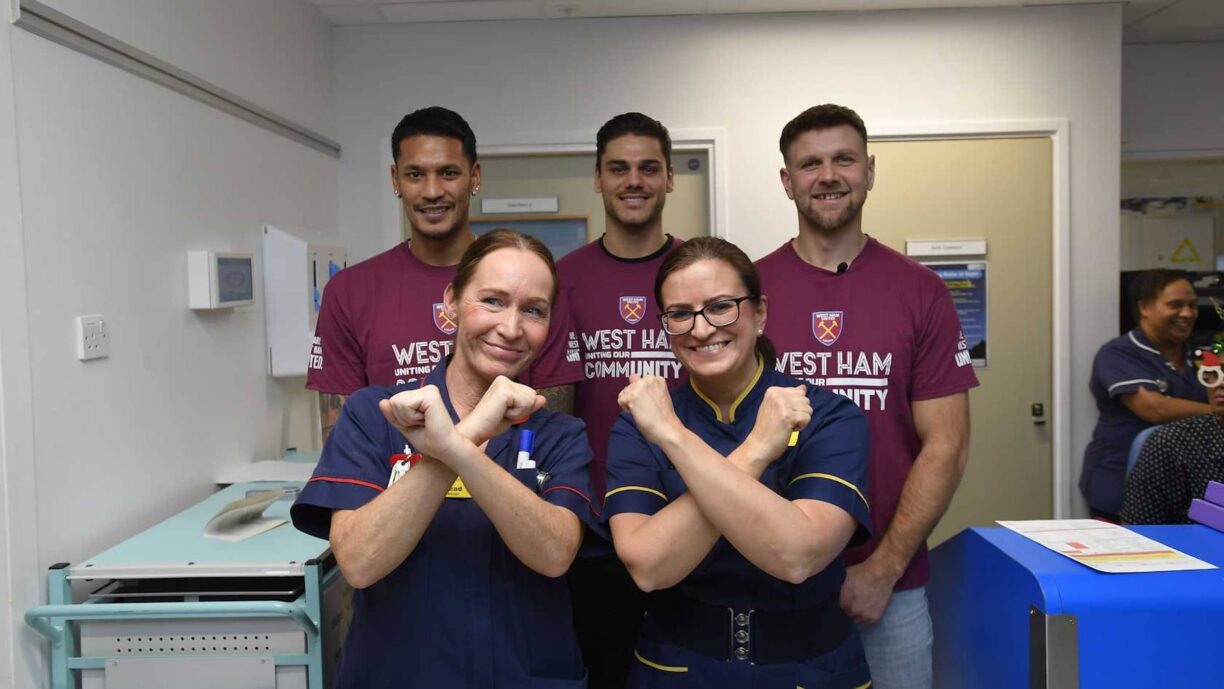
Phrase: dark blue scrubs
(829, 463)
(461, 611)
(1123, 366)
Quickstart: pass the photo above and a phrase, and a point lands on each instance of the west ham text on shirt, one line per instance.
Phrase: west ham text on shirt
(619, 352)
(419, 358)
(860, 376)
(316, 354)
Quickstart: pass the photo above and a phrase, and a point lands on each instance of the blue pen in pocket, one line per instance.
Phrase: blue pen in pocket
(526, 445)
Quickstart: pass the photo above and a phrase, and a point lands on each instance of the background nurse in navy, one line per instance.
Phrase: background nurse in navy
(451, 515)
(1140, 379)
(734, 496)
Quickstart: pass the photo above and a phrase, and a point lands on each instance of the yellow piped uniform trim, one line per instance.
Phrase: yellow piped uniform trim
(702, 395)
(664, 668)
(644, 489)
(837, 479)
(731, 412)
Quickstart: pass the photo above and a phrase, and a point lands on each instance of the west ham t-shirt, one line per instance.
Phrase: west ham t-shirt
(616, 332)
(884, 334)
(382, 323)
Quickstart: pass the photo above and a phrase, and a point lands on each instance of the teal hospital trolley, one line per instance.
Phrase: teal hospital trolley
(172, 608)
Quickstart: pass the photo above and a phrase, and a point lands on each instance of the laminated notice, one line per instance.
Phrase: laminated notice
(1105, 547)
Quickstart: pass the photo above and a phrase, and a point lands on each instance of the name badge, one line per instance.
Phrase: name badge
(458, 490)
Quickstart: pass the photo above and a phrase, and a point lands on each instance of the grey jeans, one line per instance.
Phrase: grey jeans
(899, 646)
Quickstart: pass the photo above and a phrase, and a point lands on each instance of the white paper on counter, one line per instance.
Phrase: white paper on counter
(244, 518)
(1105, 547)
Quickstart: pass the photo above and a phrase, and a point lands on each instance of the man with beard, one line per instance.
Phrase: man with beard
(852, 315)
(607, 286)
(382, 320)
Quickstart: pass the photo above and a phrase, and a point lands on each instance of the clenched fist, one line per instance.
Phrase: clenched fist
(650, 403)
(783, 411)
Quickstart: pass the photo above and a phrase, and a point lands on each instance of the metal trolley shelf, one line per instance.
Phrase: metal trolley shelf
(173, 608)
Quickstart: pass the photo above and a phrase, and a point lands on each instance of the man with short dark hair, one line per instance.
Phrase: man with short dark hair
(382, 320)
(607, 285)
(854, 316)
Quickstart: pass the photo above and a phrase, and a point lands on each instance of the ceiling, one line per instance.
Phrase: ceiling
(1145, 21)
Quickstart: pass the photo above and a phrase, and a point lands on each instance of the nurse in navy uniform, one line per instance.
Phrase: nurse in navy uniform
(734, 496)
(1141, 379)
(454, 508)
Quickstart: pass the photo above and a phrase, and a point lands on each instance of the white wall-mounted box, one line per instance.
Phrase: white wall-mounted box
(296, 271)
(218, 280)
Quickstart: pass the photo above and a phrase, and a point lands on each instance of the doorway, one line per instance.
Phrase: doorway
(569, 178)
(997, 189)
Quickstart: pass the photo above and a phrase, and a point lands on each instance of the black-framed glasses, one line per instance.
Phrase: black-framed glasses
(719, 314)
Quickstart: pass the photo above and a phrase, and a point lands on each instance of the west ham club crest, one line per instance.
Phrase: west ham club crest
(827, 326)
(632, 309)
(441, 319)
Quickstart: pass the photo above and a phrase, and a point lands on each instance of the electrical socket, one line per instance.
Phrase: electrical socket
(92, 337)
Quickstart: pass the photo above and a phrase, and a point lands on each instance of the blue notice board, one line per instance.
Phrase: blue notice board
(967, 283)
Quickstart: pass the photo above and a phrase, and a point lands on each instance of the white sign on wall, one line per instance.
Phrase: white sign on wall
(945, 247)
(541, 205)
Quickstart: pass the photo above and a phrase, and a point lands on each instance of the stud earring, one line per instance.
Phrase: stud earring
(397, 194)
(760, 332)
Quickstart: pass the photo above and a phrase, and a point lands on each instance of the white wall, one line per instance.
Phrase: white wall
(1173, 100)
(119, 178)
(517, 81)
(1173, 113)
(274, 53)
(16, 545)
(1165, 179)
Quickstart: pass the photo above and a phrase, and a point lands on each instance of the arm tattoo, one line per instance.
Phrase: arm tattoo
(329, 413)
(559, 398)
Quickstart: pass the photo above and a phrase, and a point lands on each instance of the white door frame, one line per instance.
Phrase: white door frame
(714, 142)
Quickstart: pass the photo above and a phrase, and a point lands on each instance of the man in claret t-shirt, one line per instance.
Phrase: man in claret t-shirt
(382, 321)
(852, 315)
(606, 287)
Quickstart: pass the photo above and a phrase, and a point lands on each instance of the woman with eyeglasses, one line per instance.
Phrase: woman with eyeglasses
(734, 496)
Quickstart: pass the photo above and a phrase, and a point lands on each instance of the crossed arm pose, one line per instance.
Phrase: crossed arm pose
(736, 493)
(455, 506)
(374, 539)
(790, 540)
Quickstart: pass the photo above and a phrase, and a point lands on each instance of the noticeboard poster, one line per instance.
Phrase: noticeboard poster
(967, 283)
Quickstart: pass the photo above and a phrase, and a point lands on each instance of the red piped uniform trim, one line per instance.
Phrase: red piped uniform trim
(356, 482)
(412, 459)
(576, 492)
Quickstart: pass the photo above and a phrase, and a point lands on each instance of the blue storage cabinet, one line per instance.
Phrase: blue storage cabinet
(1012, 614)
